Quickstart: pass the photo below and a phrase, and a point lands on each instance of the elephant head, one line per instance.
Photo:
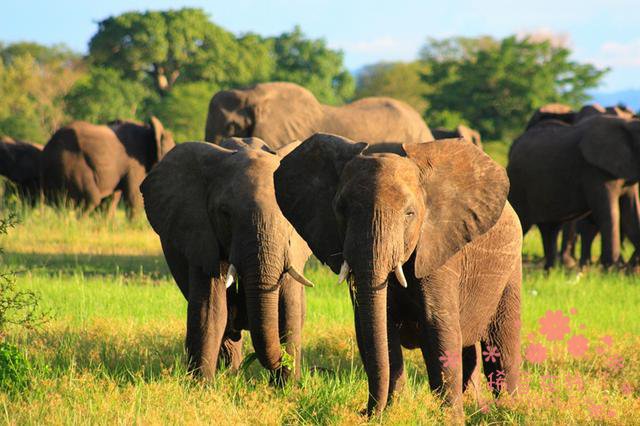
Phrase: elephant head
(367, 215)
(218, 205)
(612, 144)
(275, 112)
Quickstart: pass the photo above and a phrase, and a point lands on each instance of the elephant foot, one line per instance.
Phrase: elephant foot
(568, 261)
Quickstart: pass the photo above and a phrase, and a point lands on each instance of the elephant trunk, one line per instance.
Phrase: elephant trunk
(372, 256)
(371, 305)
(262, 297)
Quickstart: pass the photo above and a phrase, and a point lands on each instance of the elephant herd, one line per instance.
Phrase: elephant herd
(426, 231)
(87, 163)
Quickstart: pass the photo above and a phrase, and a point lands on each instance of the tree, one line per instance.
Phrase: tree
(103, 95)
(167, 47)
(399, 80)
(33, 80)
(184, 110)
(495, 85)
(313, 65)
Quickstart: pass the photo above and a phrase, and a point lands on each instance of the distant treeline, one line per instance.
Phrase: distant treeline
(169, 63)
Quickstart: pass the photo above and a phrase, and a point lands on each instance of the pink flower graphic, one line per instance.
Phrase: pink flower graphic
(616, 362)
(450, 359)
(573, 311)
(536, 353)
(491, 354)
(607, 340)
(554, 325)
(578, 345)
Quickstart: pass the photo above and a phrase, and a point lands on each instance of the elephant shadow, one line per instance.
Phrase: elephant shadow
(102, 265)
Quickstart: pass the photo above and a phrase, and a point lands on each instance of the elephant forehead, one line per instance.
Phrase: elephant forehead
(386, 178)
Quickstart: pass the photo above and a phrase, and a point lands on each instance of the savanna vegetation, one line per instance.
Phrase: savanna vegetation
(111, 349)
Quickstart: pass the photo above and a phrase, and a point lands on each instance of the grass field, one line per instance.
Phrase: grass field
(112, 351)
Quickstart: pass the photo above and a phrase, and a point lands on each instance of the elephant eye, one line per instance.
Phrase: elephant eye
(409, 213)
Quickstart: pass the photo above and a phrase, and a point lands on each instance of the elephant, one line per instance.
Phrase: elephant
(429, 245)
(215, 211)
(90, 162)
(20, 163)
(461, 131)
(281, 112)
(554, 111)
(587, 229)
(564, 172)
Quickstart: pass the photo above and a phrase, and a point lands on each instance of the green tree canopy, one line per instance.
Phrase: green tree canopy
(494, 85)
(103, 95)
(313, 65)
(399, 80)
(178, 46)
(33, 81)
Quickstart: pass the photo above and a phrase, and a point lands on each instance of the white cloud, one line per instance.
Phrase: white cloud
(616, 54)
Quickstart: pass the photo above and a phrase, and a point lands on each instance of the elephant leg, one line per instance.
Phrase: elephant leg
(206, 321)
(397, 377)
(133, 196)
(606, 214)
(290, 325)
(178, 266)
(503, 339)
(441, 340)
(630, 221)
(549, 232)
(568, 246)
(588, 231)
(113, 205)
(471, 362)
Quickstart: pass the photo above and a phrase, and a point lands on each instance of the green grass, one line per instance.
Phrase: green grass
(113, 349)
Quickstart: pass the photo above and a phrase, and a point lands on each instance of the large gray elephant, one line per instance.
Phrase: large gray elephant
(430, 245)
(282, 112)
(461, 131)
(216, 214)
(20, 163)
(89, 162)
(562, 172)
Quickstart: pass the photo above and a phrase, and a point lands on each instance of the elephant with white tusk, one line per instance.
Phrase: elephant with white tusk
(215, 211)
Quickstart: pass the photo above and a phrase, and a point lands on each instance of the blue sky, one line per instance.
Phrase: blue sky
(606, 33)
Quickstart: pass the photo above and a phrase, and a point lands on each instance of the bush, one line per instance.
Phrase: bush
(14, 368)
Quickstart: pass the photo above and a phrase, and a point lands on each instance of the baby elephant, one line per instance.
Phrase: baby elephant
(216, 214)
(431, 249)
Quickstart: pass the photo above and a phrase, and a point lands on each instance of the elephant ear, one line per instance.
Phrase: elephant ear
(163, 139)
(607, 144)
(175, 201)
(306, 183)
(465, 193)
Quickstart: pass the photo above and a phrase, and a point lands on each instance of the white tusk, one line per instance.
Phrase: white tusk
(230, 275)
(344, 271)
(400, 275)
(299, 277)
